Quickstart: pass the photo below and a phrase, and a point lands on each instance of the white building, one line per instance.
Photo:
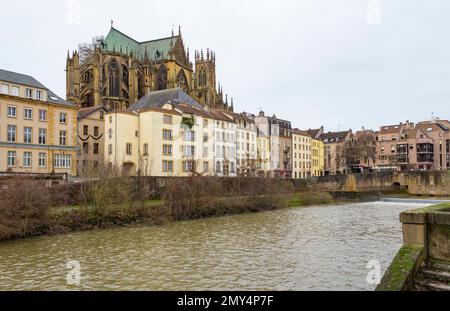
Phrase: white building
(246, 144)
(224, 144)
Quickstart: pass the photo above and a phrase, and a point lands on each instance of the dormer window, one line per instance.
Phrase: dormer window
(38, 95)
(15, 91)
(4, 89)
(28, 93)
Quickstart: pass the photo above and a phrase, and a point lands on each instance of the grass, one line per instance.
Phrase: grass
(308, 198)
(121, 206)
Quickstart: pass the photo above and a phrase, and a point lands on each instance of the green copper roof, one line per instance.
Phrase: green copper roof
(117, 41)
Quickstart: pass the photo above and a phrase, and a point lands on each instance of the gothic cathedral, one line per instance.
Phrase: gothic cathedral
(119, 70)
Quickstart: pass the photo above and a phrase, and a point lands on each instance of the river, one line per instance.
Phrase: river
(313, 248)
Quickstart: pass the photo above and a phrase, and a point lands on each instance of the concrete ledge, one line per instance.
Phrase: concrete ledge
(406, 264)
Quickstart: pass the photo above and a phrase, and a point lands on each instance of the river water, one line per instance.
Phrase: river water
(313, 248)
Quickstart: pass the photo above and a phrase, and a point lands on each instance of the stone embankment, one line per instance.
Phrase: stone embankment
(423, 263)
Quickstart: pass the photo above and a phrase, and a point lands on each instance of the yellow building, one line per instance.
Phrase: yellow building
(301, 154)
(318, 163)
(38, 129)
(165, 133)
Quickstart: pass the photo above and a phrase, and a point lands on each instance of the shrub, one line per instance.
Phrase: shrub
(23, 208)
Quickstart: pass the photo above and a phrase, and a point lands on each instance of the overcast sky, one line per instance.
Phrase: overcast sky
(338, 63)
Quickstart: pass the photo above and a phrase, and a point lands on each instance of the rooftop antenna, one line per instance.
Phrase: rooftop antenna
(432, 116)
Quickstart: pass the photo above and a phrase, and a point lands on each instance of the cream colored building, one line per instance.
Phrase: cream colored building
(38, 129)
(165, 133)
(91, 138)
(224, 131)
(301, 154)
(246, 144)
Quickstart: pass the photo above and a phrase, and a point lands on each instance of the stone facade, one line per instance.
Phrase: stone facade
(117, 71)
(38, 129)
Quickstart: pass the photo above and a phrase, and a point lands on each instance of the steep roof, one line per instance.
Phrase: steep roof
(331, 137)
(18, 78)
(220, 115)
(434, 126)
(184, 108)
(84, 112)
(390, 129)
(314, 133)
(21, 79)
(300, 133)
(160, 98)
(156, 49)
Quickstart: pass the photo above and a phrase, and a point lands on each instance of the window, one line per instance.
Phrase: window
(205, 122)
(188, 166)
(42, 159)
(12, 133)
(189, 136)
(27, 135)
(63, 118)
(63, 160)
(167, 134)
(167, 119)
(188, 151)
(11, 158)
(129, 149)
(96, 148)
(29, 93)
(102, 115)
(5, 89)
(38, 95)
(12, 111)
(62, 138)
(218, 167)
(15, 91)
(167, 150)
(110, 149)
(205, 167)
(85, 130)
(146, 149)
(167, 166)
(42, 115)
(96, 131)
(86, 148)
(42, 136)
(205, 152)
(27, 159)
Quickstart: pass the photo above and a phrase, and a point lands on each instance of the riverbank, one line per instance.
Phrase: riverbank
(66, 219)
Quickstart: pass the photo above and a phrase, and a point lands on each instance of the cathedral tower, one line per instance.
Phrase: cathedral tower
(205, 78)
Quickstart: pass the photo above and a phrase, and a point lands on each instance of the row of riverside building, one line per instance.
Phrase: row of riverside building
(168, 133)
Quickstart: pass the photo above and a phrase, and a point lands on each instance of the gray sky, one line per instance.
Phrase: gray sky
(314, 62)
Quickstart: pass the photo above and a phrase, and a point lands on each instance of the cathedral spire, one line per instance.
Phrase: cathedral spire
(179, 31)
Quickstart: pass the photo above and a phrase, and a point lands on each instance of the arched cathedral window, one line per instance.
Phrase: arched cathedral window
(161, 82)
(114, 87)
(125, 75)
(202, 78)
(182, 81)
